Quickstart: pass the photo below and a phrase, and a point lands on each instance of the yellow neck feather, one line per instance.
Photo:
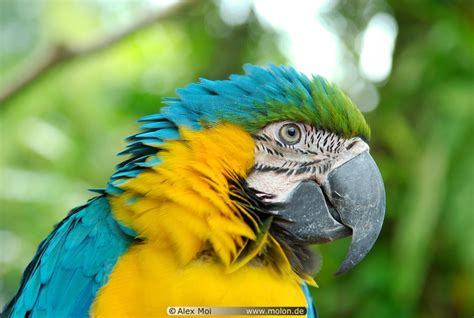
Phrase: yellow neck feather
(185, 201)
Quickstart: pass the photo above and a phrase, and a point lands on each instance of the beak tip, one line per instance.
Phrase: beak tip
(345, 267)
(363, 207)
(340, 271)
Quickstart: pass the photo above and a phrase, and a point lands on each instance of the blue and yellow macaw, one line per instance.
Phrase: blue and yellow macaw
(222, 194)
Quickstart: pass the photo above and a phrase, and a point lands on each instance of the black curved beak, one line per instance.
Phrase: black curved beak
(350, 202)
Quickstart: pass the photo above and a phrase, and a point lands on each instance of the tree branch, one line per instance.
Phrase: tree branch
(60, 53)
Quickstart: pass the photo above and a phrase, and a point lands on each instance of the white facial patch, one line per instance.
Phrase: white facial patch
(281, 166)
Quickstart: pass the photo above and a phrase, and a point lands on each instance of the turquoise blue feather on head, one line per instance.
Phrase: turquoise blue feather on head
(265, 95)
(251, 101)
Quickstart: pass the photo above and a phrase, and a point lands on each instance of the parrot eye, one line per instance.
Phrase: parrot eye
(289, 134)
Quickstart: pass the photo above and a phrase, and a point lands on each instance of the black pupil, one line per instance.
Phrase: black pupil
(291, 131)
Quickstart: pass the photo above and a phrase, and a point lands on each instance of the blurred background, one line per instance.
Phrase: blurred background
(75, 75)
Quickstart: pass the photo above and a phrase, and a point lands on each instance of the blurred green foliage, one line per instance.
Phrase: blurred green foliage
(59, 136)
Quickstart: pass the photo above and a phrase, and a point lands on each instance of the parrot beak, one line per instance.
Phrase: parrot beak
(350, 202)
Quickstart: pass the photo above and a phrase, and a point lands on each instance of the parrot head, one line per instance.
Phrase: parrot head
(253, 169)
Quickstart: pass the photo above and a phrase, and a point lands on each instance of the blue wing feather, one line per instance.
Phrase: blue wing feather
(311, 311)
(72, 264)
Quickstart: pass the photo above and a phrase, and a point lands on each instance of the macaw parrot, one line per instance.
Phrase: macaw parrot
(222, 194)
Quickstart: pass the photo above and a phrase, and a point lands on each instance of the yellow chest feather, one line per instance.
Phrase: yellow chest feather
(180, 209)
(149, 278)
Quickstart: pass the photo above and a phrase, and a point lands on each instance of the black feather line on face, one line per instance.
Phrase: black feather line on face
(302, 259)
